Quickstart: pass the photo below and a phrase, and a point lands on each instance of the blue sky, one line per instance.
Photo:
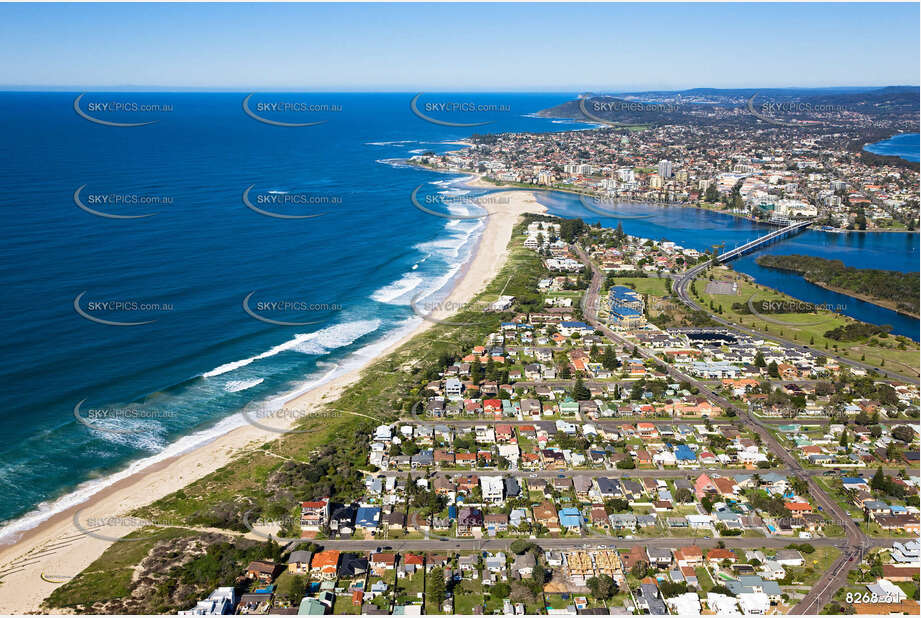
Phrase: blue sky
(457, 47)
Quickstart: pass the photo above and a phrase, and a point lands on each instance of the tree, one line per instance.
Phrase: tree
(522, 593)
(639, 569)
(773, 370)
(626, 464)
(616, 505)
(602, 587)
(903, 433)
(684, 495)
(672, 589)
(539, 575)
(879, 480)
(759, 360)
(435, 587)
(580, 392)
(476, 372)
(609, 359)
(520, 546)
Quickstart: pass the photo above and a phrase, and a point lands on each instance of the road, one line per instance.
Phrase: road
(655, 473)
(836, 576)
(573, 542)
(632, 420)
(567, 543)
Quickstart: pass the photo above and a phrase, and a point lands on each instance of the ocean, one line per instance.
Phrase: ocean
(161, 327)
(160, 388)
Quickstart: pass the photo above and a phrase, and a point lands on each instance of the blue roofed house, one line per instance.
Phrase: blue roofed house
(568, 328)
(855, 482)
(625, 307)
(622, 296)
(684, 454)
(570, 518)
(626, 318)
(368, 517)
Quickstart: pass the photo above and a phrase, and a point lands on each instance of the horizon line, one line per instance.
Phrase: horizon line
(361, 90)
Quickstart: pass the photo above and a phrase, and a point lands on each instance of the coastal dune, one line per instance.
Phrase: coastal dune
(59, 548)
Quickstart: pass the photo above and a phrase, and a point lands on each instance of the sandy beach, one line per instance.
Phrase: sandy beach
(50, 554)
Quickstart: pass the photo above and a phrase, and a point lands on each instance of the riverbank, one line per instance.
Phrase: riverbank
(480, 181)
(812, 269)
(891, 306)
(59, 548)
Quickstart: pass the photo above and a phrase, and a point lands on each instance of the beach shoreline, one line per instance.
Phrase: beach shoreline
(57, 549)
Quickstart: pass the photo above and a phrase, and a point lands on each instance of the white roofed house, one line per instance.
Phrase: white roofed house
(509, 451)
(220, 602)
(886, 591)
(383, 433)
(454, 388)
(907, 554)
(493, 488)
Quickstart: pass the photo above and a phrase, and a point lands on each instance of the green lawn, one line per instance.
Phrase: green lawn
(408, 588)
(805, 327)
(652, 286)
(344, 605)
(467, 594)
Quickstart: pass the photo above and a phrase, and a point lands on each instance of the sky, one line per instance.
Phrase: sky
(457, 47)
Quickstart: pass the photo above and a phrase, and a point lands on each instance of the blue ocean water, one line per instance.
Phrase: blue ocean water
(203, 357)
(905, 145)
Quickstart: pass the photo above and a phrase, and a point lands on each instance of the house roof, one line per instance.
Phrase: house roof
(325, 558)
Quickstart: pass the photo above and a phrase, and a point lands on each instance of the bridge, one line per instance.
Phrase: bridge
(783, 232)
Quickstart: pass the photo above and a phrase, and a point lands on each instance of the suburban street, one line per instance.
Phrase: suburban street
(856, 541)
